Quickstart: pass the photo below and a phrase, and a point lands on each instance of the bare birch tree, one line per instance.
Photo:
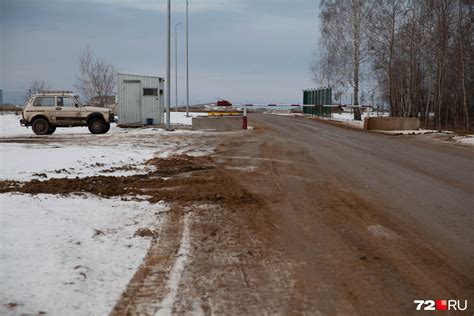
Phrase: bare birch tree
(419, 54)
(343, 45)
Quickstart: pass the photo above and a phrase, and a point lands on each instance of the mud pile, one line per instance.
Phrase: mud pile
(187, 179)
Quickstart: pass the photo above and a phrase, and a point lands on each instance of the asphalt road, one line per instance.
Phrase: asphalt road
(370, 222)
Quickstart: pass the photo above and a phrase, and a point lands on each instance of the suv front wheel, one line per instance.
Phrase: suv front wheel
(40, 126)
(97, 125)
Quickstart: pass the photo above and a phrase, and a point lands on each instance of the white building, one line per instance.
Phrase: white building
(140, 100)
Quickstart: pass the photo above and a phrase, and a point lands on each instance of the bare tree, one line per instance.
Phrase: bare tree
(417, 55)
(37, 86)
(343, 48)
(356, 23)
(96, 77)
(463, 29)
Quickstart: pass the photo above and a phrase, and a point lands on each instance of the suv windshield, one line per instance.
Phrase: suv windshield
(75, 100)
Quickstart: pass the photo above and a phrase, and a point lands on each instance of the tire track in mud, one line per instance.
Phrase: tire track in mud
(149, 287)
(177, 270)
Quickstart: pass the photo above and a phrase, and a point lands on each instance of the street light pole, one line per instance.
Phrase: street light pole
(187, 58)
(168, 68)
(176, 63)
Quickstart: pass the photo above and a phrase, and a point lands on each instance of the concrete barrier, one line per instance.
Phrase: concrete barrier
(218, 123)
(392, 123)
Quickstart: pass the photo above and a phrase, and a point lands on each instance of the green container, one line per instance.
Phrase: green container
(318, 97)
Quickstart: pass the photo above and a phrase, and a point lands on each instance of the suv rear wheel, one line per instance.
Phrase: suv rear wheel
(40, 126)
(96, 125)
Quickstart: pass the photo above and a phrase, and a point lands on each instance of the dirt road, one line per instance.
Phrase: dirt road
(369, 222)
(308, 218)
(299, 217)
(428, 183)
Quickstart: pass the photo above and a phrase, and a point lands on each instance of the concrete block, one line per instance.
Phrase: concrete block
(392, 123)
(218, 123)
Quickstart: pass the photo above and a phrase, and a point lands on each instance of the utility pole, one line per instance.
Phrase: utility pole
(176, 63)
(187, 58)
(168, 68)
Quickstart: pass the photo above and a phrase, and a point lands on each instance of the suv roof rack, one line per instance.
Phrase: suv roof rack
(43, 92)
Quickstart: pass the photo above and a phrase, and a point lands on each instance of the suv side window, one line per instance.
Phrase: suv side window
(64, 101)
(44, 101)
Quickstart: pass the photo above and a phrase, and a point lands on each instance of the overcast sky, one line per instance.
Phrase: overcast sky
(242, 50)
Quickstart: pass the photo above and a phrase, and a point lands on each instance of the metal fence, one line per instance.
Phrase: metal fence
(317, 102)
(318, 110)
(321, 96)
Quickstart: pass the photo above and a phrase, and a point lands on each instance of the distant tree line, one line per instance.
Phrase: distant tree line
(417, 55)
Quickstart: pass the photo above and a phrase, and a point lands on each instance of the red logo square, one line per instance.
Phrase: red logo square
(441, 305)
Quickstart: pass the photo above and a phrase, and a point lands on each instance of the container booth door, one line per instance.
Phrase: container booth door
(132, 106)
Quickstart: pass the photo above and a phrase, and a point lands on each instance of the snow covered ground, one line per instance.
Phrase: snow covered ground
(465, 140)
(10, 125)
(74, 255)
(180, 117)
(36, 161)
(74, 152)
(69, 255)
(410, 132)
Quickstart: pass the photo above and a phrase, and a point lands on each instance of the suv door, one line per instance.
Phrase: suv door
(67, 113)
(45, 106)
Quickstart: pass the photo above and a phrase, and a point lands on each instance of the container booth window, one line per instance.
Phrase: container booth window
(150, 92)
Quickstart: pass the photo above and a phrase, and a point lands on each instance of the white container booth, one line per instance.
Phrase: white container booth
(140, 100)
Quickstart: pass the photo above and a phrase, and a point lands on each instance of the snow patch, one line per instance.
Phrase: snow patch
(24, 161)
(409, 132)
(180, 117)
(465, 140)
(243, 168)
(382, 231)
(69, 255)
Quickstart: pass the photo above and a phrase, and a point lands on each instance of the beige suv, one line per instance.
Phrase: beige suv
(50, 109)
